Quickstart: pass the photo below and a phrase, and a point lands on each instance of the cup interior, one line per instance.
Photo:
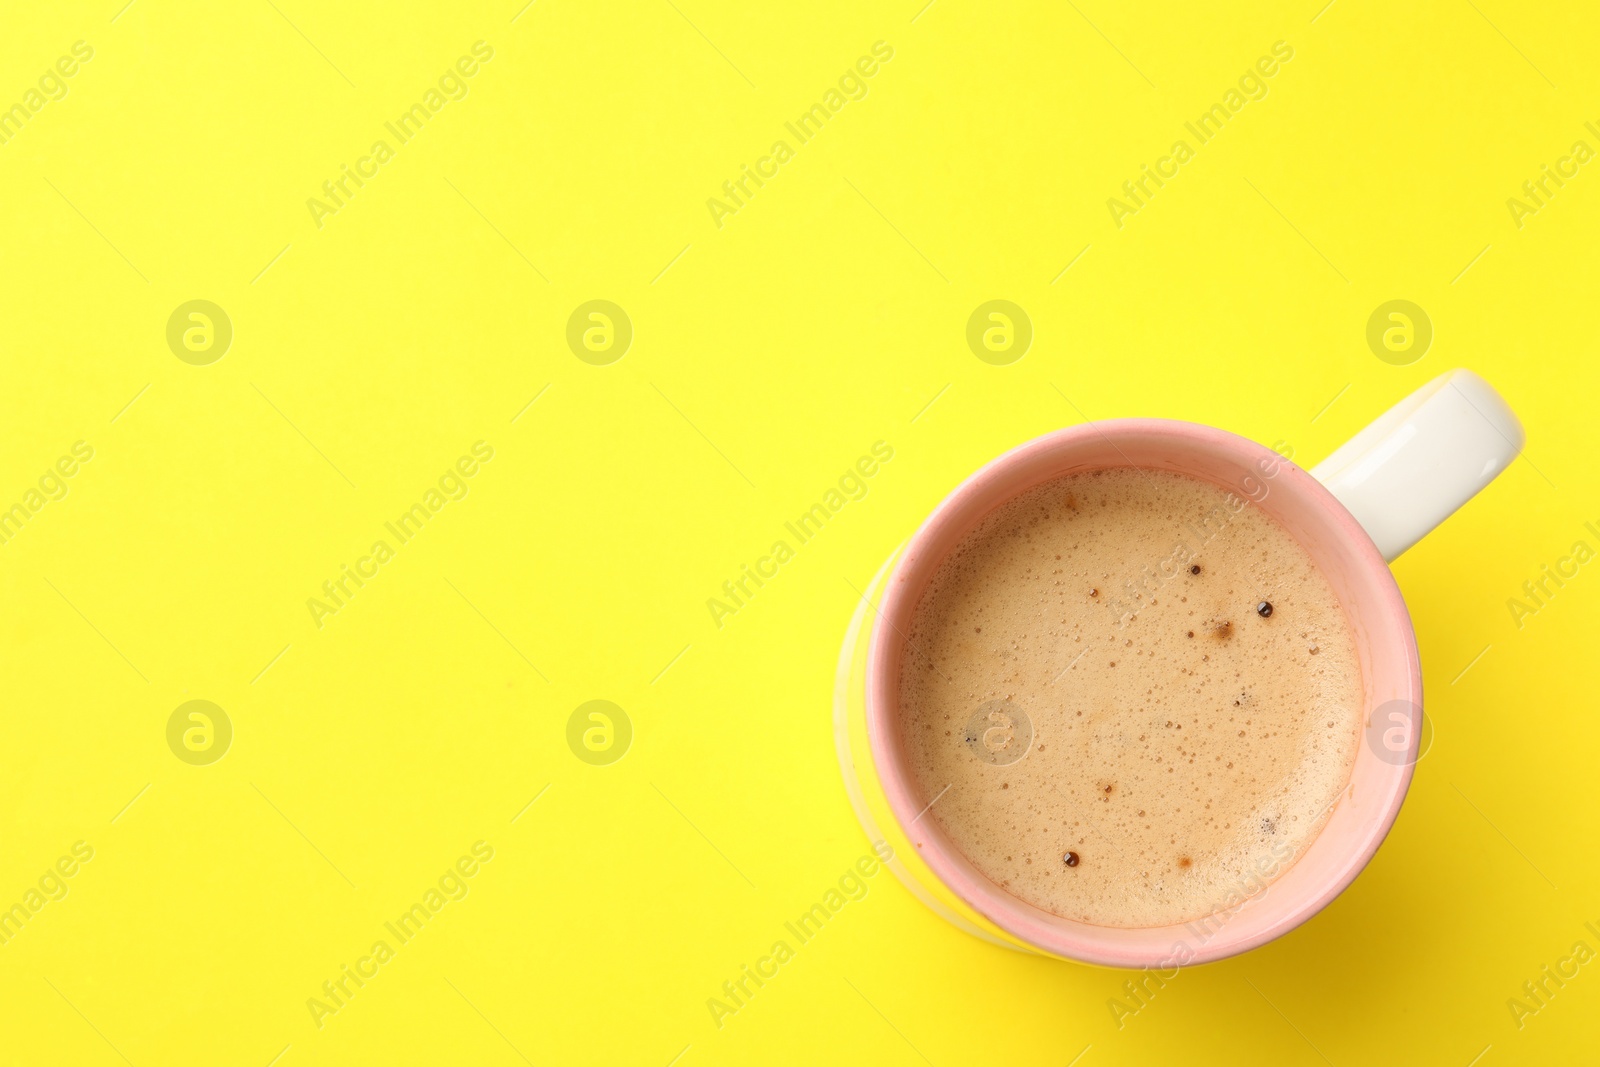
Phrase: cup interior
(1385, 648)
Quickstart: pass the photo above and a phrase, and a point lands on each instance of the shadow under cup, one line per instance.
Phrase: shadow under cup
(1385, 649)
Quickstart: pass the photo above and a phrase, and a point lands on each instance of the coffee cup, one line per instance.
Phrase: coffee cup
(1355, 512)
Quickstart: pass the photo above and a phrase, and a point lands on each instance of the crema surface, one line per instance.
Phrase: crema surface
(1128, 695)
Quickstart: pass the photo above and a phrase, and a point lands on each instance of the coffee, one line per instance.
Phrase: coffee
(1130, 698)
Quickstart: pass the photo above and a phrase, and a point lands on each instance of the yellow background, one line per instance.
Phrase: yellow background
(821, 318)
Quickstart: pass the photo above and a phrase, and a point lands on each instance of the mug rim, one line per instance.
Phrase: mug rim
(990, 487)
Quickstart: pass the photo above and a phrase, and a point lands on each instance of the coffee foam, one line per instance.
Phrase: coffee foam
(1051, 682)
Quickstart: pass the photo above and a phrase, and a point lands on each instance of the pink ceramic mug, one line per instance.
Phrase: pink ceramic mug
(1368, 502)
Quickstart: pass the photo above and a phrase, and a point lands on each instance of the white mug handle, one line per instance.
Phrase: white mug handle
(1422, 459)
